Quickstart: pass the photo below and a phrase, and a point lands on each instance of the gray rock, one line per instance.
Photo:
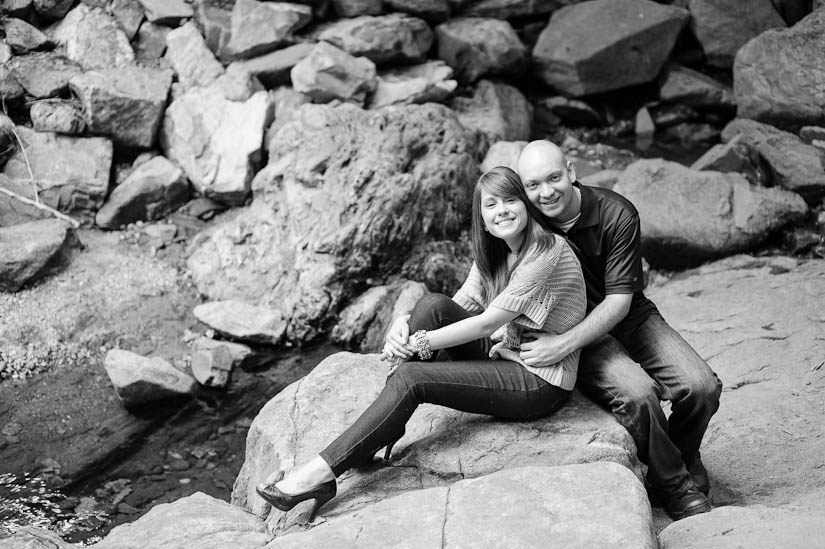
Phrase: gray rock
(809, 134)
(238, 85)
(129, 14)
(476, 47)
(440, 445)
(382, 181)
(727, 214)
(512, 9)
(434, 11)
(329, 73)
(71, 173)
(286, 101)
(52, 9)
(354, 8)
(212, 367)
(502, 153)
(793, 164)
(358, 315)
(34, 537)
(111, 97)
(260, 27)
(242, 321)
(217, 142)
(405, 294)
(429, 82)
(779, 76)
(151, 191)
(23, 37)
(141, 380)
(20, 9)
(605, 179)
(26, 249)
(44, 74)
(732, 156)
(499, 111)
(238, 352)
(626, 43)
(572, 111)
(94, 39)
(191, 59)
(214, 19)
(393, 38)
(683, 85)
(166, 12)
(57, 115)
(273, 68)
(10, 88)
(5, 52)
(441, 265)
(723, 27)
(150, 43)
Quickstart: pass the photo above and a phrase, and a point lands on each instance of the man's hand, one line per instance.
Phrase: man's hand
(539, 349)
(396, 341)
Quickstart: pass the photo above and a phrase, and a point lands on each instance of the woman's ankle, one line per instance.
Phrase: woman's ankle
(307, 476)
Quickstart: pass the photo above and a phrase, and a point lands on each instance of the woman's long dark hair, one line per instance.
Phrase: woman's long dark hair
(489, 252)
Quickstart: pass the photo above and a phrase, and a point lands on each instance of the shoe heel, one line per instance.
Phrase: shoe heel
(319, 502)
(388, 450)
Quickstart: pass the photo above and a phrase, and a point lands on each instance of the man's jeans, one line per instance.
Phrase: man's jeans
(630, 373)
(469, 382)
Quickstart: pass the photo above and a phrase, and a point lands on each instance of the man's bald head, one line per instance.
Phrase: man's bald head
(548, 179)
(537, 153)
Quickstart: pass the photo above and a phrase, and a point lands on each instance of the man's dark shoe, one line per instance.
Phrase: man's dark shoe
(699, 474)
(692, 502)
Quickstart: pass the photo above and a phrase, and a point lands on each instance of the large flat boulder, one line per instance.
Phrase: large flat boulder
(779, 76)
(428, 82)
(141, 380)
(440, 446)
(382, 181)
(727, 215)
(26, 249)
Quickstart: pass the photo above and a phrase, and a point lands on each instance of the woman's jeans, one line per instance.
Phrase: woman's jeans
(469, 381)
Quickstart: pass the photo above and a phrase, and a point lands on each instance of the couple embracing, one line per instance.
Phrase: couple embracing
(553, 298)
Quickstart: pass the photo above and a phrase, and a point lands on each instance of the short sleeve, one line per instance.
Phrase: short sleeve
(623, 264)
(469, 295)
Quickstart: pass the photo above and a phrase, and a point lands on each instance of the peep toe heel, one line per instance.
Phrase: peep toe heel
(285, 502)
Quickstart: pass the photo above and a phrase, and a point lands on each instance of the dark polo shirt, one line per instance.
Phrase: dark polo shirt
(607, 241)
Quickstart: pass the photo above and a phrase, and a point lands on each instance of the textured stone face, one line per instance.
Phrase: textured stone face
(329, 73)
(140, 380)
(25, 250)
(382, 39)
(191, 59)
(44, 74)
(59, 116)
(425, 83)
(476, 47)
(260, 27)
(499, 111)
(93, 39)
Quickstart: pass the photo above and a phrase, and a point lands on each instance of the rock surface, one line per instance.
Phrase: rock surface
(476, 47)
(260, 27)
(166, 12)
(190, 58)
(44, 74)
(94, 39)
(498, 110)
(27, 248)
(57, 115)
(329, 73)
(141, 380)
(687, 86)
(428, 82)
(382, 39)
(502, 153)
(242, 321)
(272, 69)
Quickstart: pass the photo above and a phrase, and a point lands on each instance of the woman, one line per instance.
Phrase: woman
(523, 276)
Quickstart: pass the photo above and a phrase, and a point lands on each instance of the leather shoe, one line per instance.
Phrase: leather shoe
(699, 474)
(692, 502)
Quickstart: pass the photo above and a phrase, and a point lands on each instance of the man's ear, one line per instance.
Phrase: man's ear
(571, 171)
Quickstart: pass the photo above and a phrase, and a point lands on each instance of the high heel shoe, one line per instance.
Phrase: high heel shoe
(388, 451)
(285, 502)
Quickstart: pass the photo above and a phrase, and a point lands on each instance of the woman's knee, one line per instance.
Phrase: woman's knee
(426, 310)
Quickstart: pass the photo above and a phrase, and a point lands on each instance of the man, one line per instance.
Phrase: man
(631, 358)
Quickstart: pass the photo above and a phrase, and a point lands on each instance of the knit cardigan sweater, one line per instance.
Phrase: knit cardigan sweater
(547, 290)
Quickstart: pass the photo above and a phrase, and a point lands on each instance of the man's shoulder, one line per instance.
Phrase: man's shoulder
(612, 205)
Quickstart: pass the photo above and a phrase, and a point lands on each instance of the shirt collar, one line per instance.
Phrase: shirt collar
(589, 208)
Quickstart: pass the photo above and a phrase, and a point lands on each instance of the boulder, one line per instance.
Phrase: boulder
(512, 9)
(441, 265)
(198, 520)
(52, 9)
(93, 39)
(809, 134)
(5, 52)
(354, 8)
(124, 103)
(214, 18)
(212, 367)
(217, 142)
(129, 15)
(358, 315)
(329, 73)
(382, 181)
(260, 27)
(166, 12)
(434, 11)
(724, 26)
(152, 190)
(71, 173)
(190, 58)
(571, 111)
(58, 116)
(605, 179)
(498, 110)
(286, 101)
(476, 47)
(242, 321)
(238, 85)
(779, 76)
(141, 380)
(10, 87)
(502, 153)
(732, 156)
(23, 38)
(430, 82)
(20, 9)
(44, 74)
(727, 214)
(793, 164)
(272, 69)
(33, 537)
(689, 87)
(383, 39)
(26, 249)
(238, 352)
(405, 294)
(150, 43)
(625, 42)
(440, 445)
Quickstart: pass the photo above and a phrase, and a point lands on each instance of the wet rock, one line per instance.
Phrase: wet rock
(511, 9)
(166, 12)
(425, 83)
(150, 43)
(93, 39)
(217, 142)
(732, 156)
(683, 85)
(441, 265)
(728, 215)
(434, 11)
(475, 47)
(198, 520)
(329, 73)
(57, 115)
(111, 96)
(33, 537)
(393, 38)
(793, 164)
(44, 74)
(190, 58)
(572, 111)
(260, 27)
(779, 77)
(129, 14)
(242, 321)
(273, 68)
(354, 8)
(498, 110)
(440, 445)
(502, 153)
(141, 380)
(722, 27)
(634, 34)
(416, 162)
(10, 88)
(23, 37)
(151, 191)
(72, 173)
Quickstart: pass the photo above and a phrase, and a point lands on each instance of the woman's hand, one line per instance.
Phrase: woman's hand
(396, 343)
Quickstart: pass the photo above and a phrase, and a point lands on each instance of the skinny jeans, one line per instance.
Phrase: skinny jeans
(468, 381)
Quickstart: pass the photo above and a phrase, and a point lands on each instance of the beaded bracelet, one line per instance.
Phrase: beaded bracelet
(422, 344)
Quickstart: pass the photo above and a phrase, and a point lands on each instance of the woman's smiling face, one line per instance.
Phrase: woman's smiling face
(504, 217)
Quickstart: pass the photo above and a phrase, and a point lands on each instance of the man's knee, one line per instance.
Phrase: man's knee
(705, 391)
